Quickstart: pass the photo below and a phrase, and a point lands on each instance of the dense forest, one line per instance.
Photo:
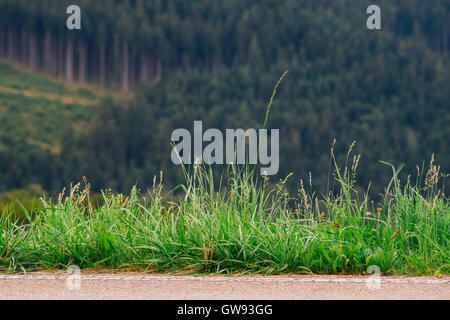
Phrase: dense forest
(128, 42)
(218, 61)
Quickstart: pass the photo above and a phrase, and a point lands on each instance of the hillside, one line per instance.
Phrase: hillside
(218, 61)
(35, 111)
(39, 106)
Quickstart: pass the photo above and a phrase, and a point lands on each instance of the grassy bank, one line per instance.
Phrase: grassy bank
(247, 227)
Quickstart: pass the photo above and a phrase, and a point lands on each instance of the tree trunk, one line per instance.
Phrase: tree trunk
(47, 52)
(117, 68)
(144, 68)
(60, 58)
(54, 55)
(24, 47)
(82, 62)
(152, 67)
(102, 66)
(33, 51)
(132, 67)
(69, 61)
(125, 68)
(2, 42)
(11, 51)
(158, 68)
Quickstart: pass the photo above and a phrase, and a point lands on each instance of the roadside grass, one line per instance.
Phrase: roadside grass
(238, 226)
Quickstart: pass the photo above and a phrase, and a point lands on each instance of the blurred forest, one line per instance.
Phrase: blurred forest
(178, 61)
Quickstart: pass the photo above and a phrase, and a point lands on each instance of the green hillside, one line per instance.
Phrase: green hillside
(35, 112)
(34, 108)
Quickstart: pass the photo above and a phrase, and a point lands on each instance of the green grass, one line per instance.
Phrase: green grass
(243, 224)
(16, 77)
(246, 227)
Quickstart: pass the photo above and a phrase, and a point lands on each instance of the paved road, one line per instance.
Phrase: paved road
(151, 286)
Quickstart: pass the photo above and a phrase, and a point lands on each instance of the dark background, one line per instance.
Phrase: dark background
(150, 67)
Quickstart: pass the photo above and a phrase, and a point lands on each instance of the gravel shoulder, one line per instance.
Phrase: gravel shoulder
(93, 285)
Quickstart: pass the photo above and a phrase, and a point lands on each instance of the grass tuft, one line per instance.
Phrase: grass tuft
(243, 226)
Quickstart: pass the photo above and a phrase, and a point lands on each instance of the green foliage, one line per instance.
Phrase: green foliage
(217, 61)
(246, 228)
(397, 128)
(20, 80)
(20, 200)
(36, 115)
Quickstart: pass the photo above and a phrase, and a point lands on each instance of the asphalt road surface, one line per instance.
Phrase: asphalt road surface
(152, 286)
